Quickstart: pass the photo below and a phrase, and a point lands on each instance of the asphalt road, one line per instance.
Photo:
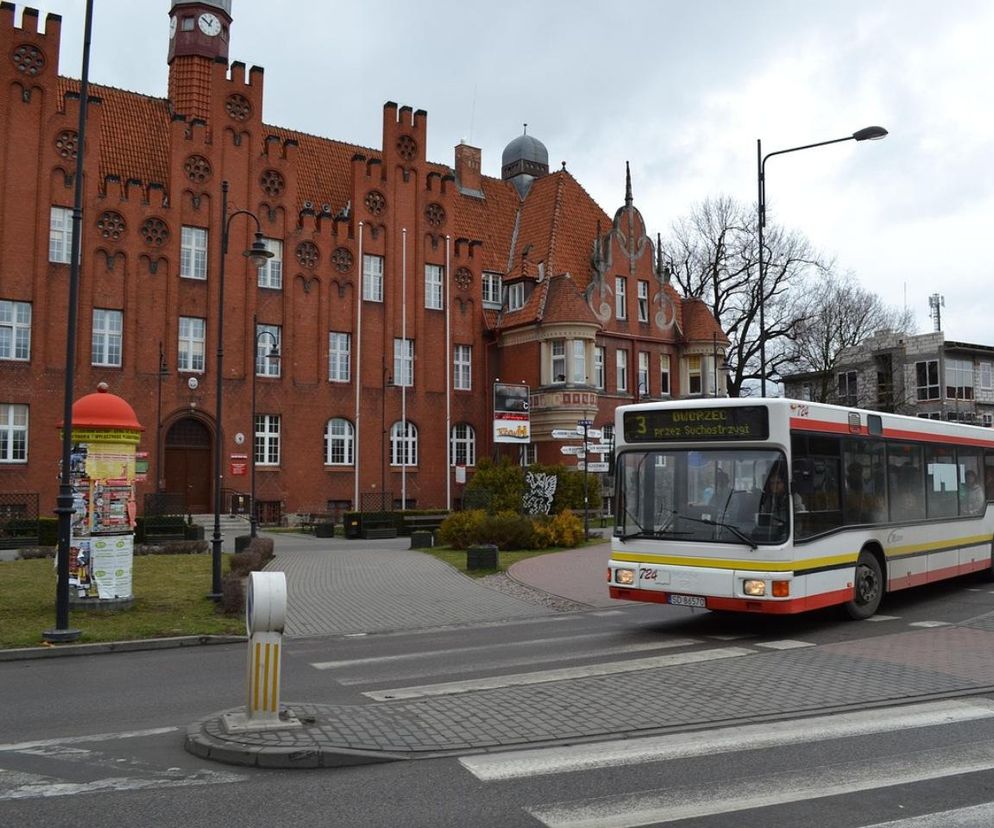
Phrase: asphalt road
(97, 740)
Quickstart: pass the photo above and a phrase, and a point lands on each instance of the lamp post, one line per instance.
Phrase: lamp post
(258, 254)
(163, 372)
(64, 508)
(871, 133)
(273, 355)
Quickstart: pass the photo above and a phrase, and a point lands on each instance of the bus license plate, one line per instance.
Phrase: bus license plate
(687, 600)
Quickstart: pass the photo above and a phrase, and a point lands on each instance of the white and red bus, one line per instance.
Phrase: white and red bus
(782, 506)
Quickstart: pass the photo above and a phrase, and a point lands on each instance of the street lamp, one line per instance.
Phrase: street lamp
(64, 507)
(872, 133)
(274, 356)
(258, 254)
(163, 372)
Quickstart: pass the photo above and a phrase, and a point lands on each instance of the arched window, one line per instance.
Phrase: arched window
(339, 443)
(404, 444)
(462, 445)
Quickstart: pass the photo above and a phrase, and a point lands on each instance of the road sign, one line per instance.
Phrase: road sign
(593, 467)
(582, 423)
(596, 433)
(563, 434)
(601, 450)
(577, 450)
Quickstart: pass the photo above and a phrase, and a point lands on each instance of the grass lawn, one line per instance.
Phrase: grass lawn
(170, 599)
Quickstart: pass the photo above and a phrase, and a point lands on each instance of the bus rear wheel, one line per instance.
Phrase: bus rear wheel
(868, 588)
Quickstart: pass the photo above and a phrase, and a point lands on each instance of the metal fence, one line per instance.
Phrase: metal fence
(19, 520)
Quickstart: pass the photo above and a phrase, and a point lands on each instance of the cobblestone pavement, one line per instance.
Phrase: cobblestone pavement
(343, 586)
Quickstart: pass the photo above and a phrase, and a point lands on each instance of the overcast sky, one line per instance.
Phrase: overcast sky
(682, 90)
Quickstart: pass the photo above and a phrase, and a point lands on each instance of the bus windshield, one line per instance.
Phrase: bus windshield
(715, 495)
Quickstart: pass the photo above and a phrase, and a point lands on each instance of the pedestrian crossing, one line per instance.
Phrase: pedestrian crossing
(712, 798)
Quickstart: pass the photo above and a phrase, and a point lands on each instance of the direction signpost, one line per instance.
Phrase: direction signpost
(584, 431)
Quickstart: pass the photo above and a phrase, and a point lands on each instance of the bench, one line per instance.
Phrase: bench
(309, 520)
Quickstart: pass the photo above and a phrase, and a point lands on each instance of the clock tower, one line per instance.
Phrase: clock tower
(198, 36)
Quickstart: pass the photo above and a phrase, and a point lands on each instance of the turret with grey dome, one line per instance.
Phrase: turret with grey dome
(524, 160)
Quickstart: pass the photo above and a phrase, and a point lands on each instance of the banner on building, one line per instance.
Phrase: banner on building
(511, 419)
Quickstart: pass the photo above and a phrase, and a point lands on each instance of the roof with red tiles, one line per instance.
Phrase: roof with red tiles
(699, 323)
(564, 302)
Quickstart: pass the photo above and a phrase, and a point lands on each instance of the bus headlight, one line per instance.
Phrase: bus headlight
(625, 577)
(754, 587)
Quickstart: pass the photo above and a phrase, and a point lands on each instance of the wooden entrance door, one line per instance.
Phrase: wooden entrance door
(188, 464)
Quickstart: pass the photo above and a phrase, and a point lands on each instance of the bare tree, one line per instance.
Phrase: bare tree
(713, 256)
(842, 316)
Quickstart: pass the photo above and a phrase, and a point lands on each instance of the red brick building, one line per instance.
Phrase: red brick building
(400, 289)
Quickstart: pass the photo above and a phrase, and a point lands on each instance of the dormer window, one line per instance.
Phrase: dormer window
(516, 296)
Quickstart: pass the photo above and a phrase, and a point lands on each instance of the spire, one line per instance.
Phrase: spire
(628, 186)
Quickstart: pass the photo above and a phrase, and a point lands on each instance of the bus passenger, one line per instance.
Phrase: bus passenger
(973, 494)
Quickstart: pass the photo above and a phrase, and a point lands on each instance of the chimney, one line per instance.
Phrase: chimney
(468, 177)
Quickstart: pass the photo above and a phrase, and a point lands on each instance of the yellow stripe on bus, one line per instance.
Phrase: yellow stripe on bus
(723, 563)
(798, 565)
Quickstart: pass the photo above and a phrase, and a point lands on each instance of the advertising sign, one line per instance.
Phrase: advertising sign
(239, 465)
(111, 561)
(511, 419)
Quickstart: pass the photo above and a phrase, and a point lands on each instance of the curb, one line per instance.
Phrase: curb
(57, 650)
(306, 753)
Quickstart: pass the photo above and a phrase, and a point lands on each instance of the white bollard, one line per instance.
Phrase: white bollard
(265, 618)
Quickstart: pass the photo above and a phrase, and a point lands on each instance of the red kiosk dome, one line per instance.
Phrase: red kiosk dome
(104, 410)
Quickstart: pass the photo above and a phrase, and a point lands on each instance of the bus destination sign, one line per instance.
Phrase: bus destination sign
(697, 424)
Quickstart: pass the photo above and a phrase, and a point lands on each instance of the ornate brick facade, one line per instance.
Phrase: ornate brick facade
(453, 245)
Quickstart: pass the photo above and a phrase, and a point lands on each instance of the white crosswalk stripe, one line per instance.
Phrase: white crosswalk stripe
(63, 759)
(715, 797)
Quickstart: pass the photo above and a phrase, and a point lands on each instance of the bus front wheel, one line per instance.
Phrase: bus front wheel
(868, 588)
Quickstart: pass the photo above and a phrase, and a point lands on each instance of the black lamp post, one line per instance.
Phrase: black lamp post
(259, 254)
(872, 133)
(163, 372)
(273, 355)
(64, 502)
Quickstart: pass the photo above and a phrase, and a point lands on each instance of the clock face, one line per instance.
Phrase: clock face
(193, 383)
(209, 24)
(172, 28)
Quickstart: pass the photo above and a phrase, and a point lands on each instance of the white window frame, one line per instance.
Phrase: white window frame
(578, 364)
(930, 390)
(557, 361)
(403, 445)
(462, 445)
(491, 289)
(266, 444)
(60, 235)
(271, 273)
(516, 296)
(621, 369)
(643, 300)
(986, 376)
(372, 278)
(462, 368)
(339, 356)
(664, 375)
(620, 297)
(13, 433)
(193, 253)
(643, 374)
(434, 282)
(599, 355)
(958, 375)
(190, 356)
(15, 331)
(695, 373)
(403, 362)
(339, 442)
(847, 387)
(268, 337)
(107, 337)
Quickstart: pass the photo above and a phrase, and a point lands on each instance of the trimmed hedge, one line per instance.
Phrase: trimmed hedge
(256, 555)
(510, 530)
